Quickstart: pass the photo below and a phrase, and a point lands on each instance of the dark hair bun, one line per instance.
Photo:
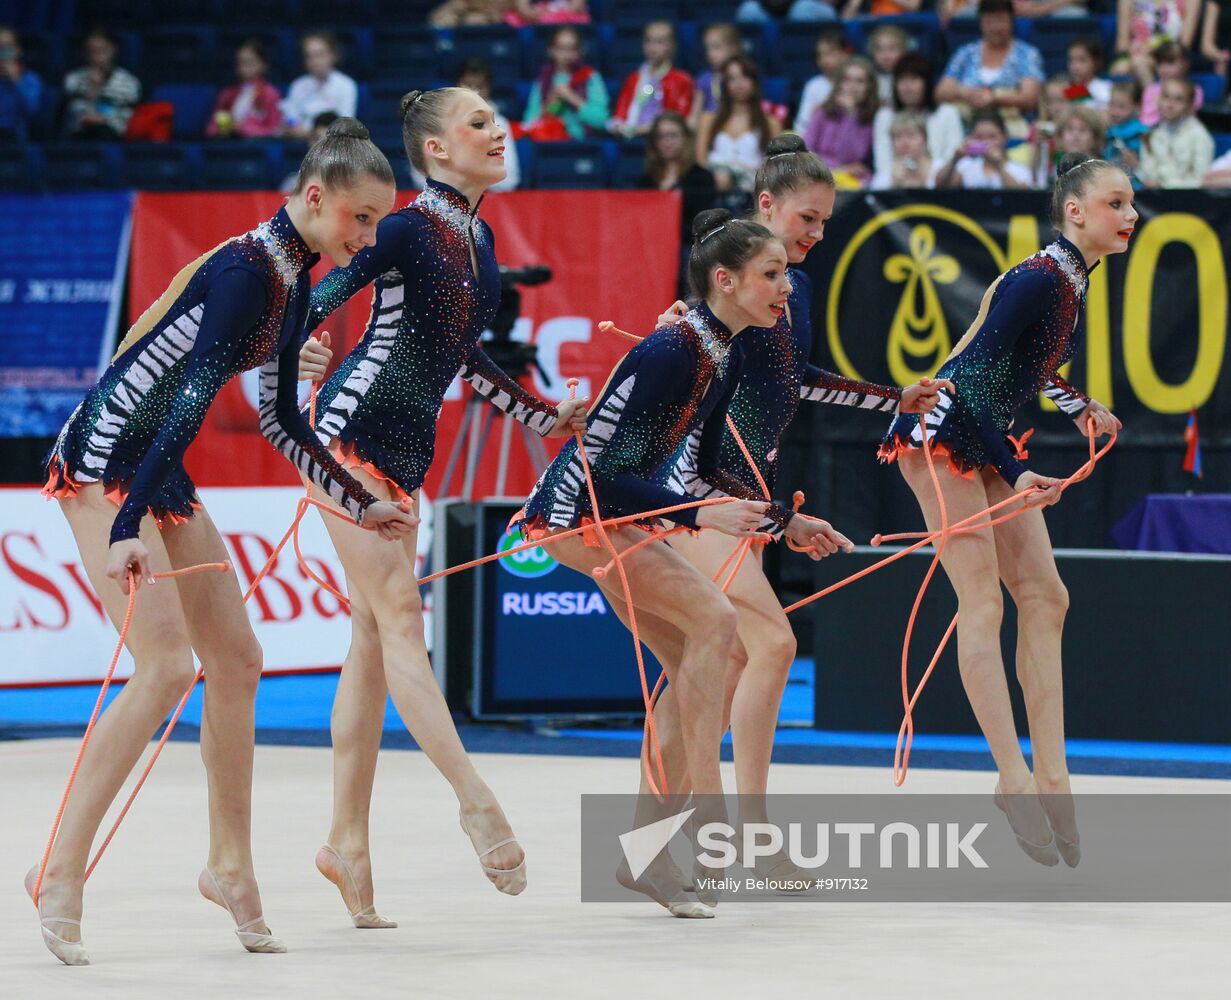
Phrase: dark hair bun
(407, 103)
(708, 221)
(1069, 161)
(346, 128)
(787, 142)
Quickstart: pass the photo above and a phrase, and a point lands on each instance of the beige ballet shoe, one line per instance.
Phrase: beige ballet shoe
(1070, 850)
(254, 941)
(365, 919)
(68, 952)
(1045, 853)
(670, 895)
(510, 881)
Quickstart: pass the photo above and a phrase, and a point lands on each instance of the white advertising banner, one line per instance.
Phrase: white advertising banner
(52, 626)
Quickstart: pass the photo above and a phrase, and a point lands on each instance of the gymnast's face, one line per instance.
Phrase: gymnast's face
(755, 294)
(344, 219)
(473, 144)
(798, 217)
(1104, 216)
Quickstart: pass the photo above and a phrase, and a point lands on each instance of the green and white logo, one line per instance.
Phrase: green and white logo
(529, 563)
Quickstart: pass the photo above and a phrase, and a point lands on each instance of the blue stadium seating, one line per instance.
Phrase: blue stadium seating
(1222, 143)
(1213, 86)
(498, 44)
(571, 165)
(193, 104)
(629, 162)
(408, 54)
(242, 166)
(396, 155)
(80, 166)
(16, 170)
(177, 55)
(160, 166)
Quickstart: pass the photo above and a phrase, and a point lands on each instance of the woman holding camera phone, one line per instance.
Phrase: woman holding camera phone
(980, 161)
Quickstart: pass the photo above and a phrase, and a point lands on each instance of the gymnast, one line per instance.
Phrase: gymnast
(436, 286)
(239, 306)
(1029, 323)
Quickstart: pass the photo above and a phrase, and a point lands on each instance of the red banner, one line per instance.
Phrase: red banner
(614, 255)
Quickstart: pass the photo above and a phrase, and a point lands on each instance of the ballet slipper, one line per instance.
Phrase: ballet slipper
(335, 868)
(510, 881)
(254, 941)
(68, 952)
(1057, 810)
(1045, 853)
(666, 892)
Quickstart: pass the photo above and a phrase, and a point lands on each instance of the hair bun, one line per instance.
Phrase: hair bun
(407, 102)
(708, 221)
(1069, 161)
(787, 142)
(346, 128)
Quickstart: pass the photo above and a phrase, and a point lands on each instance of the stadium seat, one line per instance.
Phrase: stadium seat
(43, 52)
(193, 103)
(355, 45)
(81, 166)
(384, 99)
(396, 155)
(629, 165)
(160, 166)
(318, 13)
(242, 166)
(1222, 143)
(1213, 86)
(177, 55)
(16, 169)
(526, 157)
(797, 53)
(570, 165)
(406, 54)
(497, 44)
(622, 53)
(776, 89)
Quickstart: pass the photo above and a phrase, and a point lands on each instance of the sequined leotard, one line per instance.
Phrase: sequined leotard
(428, 311)
(775, 376)
(239, 306)
(677, 379)
(1032, 327)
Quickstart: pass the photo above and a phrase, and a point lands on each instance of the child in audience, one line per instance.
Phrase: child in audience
(1126, 129)
(1170, 62)
(831, 52)
(1179, 149)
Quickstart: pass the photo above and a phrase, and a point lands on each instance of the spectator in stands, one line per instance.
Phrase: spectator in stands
(655, 87)
(21, 89)
(751, 11)
(1041, 143)
(732, 140)
(323, 88)
(1082, 129)
(1168, 62)
(840, 132)
(527, 12)
(1219, 174)
(886, 45)
(721, 41)
(250, 108)
(1126, 129)
(1085, 59)
(879, 8)
(569, 100)
(832, 50)
(910, 163)
(980, 161)
(1141, 25)
(1216, 35)
(1179, 149)
(947, 10)
(476, 74)
(461, 13)
(999, 72)
(671, 165)
(99, 97)
(1050, 8)
(913, 90)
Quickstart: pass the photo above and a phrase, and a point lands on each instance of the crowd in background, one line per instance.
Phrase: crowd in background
(881, 118)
